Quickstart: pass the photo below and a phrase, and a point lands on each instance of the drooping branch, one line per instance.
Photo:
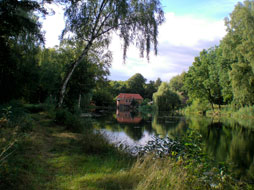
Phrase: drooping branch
(94, 20)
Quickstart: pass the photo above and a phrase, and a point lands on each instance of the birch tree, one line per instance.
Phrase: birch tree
(94, 21)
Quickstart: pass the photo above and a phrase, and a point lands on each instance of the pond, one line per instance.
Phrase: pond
(226, 140)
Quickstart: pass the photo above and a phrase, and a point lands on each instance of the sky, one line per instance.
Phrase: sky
(190, 27)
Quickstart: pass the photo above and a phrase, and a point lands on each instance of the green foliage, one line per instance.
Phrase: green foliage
(225, 74)
(177, 85)
(238, 48)
(188, 168)
(165, 99)
(19, 40)
(15, 127)
(145, 102)
(103, 97)
(146, 109)
(244, 112)
(92, 23)
(74, 159)
(133, 19)
(90, 74)
(150, 88)
(52, 62)
(134, 103)
(35, 108)
(202, 79)
(158, 83)
(197, 106)
(117, 87)
(136, 84)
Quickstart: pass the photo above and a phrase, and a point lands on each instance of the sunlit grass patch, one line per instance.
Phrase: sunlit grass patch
(79, 171)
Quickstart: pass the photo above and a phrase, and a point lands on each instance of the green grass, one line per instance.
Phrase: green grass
(50, 155)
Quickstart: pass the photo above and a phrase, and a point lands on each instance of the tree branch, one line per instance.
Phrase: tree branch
(103, 4)
(111, 28)
(103, 22)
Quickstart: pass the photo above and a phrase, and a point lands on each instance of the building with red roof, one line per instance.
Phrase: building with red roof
(125, 99)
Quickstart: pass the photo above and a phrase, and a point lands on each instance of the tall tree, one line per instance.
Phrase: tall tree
(136, 84)
(224, 65)
(158, 83)
(94, 21)
(238, 47)
(202, 79)
(150, 89)
(19, 39)
(176, 83)
(117, 87)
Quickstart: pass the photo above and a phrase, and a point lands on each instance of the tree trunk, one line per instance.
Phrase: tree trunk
(79, 101)
(69, 74)
(212, 106)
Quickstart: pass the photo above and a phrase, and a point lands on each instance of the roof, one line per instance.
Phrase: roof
(129, 96)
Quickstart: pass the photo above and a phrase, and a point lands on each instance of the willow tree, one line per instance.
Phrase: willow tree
(165, 99)
(94, 21)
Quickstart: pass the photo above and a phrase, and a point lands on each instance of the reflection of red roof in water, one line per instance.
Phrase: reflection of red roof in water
(125, 117)
(129, 96)
(135, 120)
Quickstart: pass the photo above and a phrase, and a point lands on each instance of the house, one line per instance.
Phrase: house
(125, 99)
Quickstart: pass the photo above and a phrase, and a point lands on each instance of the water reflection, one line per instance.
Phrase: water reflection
(168, 126)
(225, 140)
(128, 117)
(228, 142)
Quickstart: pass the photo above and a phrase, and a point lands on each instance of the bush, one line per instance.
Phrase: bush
(197, 106)
(245, 112)
(35, 108)
(71, 121)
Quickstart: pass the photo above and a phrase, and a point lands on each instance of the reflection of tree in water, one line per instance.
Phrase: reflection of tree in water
(232, 144)
(242, 152)
(168, 125)
(135, 133)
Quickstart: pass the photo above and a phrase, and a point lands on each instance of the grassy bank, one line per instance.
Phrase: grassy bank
(57, 150)
(244, 115)
(54, 156)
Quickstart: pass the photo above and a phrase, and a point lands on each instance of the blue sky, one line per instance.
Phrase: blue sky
(190, 27)
(212, 9)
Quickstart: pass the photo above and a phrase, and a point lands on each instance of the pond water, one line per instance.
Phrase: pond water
(225, 140)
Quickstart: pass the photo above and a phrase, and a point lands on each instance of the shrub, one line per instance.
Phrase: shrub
(35, 108)
(71, 121)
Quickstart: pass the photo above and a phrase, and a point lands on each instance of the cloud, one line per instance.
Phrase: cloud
(53, 25)
(181, 38)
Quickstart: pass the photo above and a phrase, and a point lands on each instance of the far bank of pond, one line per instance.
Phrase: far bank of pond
(225, 140)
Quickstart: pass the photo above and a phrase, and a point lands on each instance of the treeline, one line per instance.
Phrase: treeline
(136, 84)
(75, 72)
(34, 74)
(224, 74)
